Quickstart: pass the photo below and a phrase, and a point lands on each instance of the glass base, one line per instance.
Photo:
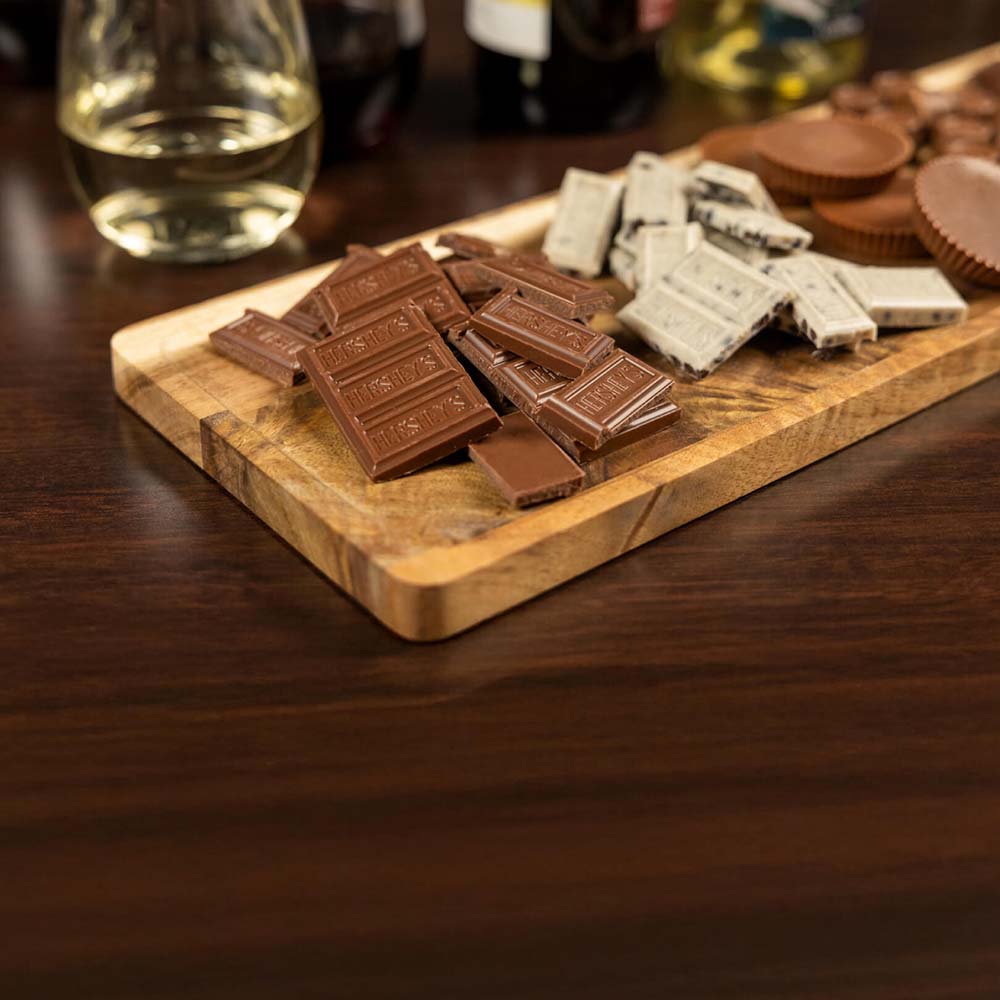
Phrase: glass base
(197, 225)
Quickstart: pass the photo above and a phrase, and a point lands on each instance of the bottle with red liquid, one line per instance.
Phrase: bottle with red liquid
(368, 58)
(567, 65)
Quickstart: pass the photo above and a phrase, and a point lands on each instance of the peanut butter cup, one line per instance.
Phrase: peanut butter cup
(892, 86)
(832, 158)
(735, 145)
(975, 102)
(906, 119)
(957, 205)
(962, 147)
(854, 99)
(876, 226)
(954, 126)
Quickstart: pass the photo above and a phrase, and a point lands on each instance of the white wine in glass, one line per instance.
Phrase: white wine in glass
(192, 127)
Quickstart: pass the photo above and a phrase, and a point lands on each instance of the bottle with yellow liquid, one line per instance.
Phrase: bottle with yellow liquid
(792, 49)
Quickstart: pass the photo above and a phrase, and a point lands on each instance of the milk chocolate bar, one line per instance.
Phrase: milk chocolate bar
(376, 332)
(526, 465)
(653, 418)
(559, 293)
(469, 247)
(408, 274)
(264, 345)
(596, 406)
(470, 282)
(307, 314)
(528, 386)
(561, 345)
(403, 404)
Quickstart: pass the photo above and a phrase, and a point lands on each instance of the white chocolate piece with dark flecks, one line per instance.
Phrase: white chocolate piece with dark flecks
(693, 337)
(722, 182)
(622, 265)
(655, 192)
(823, 312)
(662, 248)
(742, 294)
(586, 214)
(751, 255)
(905, 297)
(752, 226)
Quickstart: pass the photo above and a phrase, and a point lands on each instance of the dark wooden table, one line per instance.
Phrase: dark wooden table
(757, 758)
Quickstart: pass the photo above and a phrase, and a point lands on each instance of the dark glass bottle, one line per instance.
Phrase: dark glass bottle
(29, 31)
(368, 60)
(567, 65)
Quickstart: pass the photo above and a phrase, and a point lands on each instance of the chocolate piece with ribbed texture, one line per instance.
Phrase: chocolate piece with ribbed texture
(401, 402)
(263, 344)
(408, 274)
(594, 408)
(561, 345)
(544, 286)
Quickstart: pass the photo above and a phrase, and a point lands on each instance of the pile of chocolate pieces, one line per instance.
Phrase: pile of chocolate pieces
(964, 122)
(713, 261)
(488, 349)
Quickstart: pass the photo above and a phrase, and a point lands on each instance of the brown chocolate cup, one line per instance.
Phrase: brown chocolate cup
(854, 99)
(957, 204)
(877, 226)
(831, 157)
(735, 145)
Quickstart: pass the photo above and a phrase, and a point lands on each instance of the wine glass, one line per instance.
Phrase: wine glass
(192, 128)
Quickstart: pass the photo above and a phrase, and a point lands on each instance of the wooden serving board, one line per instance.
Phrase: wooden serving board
(438, 552)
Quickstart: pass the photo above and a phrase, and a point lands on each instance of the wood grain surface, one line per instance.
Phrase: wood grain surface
(755, 759)
(433, 554)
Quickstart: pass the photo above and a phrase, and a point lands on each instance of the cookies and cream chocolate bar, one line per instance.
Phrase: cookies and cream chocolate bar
(759, 229)
(695, 338)
(728, 287)
(655, 193)
(907, 297)
(622, 265)
(662, 248)
(721, 182)
(751, 255)
(585, 218)
(822, 312)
